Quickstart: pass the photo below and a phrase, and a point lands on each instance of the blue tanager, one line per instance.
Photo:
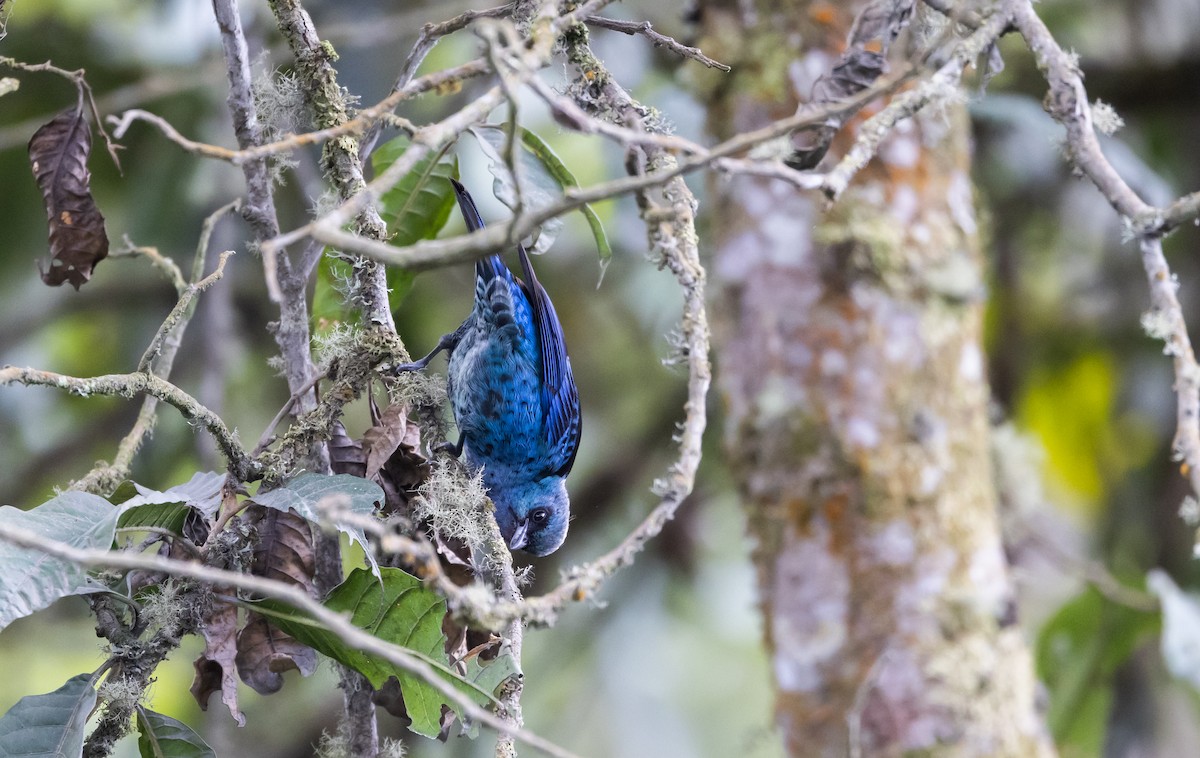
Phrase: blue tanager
(514, 398)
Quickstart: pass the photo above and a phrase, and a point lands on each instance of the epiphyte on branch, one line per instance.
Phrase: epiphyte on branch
(514, 398)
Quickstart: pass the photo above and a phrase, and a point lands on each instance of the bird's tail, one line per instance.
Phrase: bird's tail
(490, 267)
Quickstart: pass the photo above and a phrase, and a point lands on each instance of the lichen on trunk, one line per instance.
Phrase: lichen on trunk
(849, 360)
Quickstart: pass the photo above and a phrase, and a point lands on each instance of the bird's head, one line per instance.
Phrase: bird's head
(533, 517)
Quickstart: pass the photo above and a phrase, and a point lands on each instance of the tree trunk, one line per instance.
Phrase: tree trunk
(849, 359)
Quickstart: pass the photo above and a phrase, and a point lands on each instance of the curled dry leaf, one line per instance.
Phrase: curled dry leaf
(265, 652)
(856, 71)
(388, 454)
(285, 553)
(346, 456)
(58, 153)
(391, 431)
(864, 61)
(216, 667)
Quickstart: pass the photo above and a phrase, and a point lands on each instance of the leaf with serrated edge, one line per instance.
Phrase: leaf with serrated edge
(49, 725)
(161, 736)
(58, 154)
(31, 580)
(307, 494)
(398, 609)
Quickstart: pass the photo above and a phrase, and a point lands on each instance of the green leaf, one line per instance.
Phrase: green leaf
(565, 178)
(169, 516)
(544, 176)
(1078, 653)
(400, 610)
(31, 580)
(161, 736)
(313, 495)
(539, 188)
(50, 725)
(144, 507)
(416, 209)
(420, 204)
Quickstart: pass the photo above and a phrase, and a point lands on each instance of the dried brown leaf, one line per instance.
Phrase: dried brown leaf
(391, 699)
(285, 549)
(390, 432)
(285, 552)
(215, 669)
(346, 456)
(58, 154)
(264, 653)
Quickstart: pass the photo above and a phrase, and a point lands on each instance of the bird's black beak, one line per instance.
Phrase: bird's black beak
(520, 536)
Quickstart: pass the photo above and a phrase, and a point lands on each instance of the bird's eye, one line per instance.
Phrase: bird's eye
(540, 516)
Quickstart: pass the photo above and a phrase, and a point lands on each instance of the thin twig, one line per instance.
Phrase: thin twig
(157, 259)
(1067, 102)
(942, 84)
(429, 254)
(128, 385)
(79, 77)
(103, 478)
(645, 29)
(183, 309)
(426, 40)
(362, 120)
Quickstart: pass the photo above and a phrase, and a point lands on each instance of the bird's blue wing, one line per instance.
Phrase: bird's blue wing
(560, 399)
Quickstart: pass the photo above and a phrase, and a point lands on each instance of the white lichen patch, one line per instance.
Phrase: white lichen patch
(960, 200)
(970, 363)
(811, 596)
(1106, 119)
(892, 545)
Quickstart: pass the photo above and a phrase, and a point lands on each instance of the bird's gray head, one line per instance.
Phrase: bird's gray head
(534, 516)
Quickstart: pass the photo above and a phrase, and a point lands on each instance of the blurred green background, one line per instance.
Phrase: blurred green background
(670, 663)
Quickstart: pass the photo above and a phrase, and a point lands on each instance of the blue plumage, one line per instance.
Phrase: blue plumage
(514, 398)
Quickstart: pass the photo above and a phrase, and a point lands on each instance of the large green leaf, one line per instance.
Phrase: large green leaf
(50, 725)
(317, 497)
(1078, 653)
(161, 736)
(400, 610)
(420, 204)
(416, 209)
(544, 176)
(31, 580)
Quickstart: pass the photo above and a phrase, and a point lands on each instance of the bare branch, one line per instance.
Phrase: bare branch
(156, 259)
(366, 117)
(660, 40)
(128, 385)
(429, 36)
(1067, 102)
(429, 254)
(942, 84)
(180, 311)
(103, 478)
(85, 91)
